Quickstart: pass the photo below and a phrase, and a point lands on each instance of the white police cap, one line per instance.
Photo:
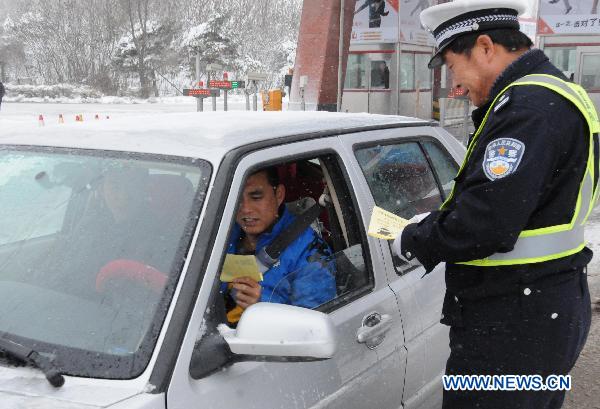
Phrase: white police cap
(449, 21)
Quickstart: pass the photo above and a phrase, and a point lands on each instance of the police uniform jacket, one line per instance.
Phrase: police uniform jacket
(486, 215)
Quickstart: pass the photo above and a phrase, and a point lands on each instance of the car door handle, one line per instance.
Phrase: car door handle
(373, 330)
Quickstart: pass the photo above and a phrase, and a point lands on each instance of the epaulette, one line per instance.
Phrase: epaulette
(503, 101)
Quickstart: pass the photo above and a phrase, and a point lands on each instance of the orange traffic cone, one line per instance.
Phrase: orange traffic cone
(61, 120)
(41, 120)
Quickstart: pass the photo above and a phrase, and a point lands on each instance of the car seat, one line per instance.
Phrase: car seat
(304, 180)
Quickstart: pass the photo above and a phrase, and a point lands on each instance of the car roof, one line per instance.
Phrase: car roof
(207, 135)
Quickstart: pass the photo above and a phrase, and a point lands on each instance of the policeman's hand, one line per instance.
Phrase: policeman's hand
(247, 291)
(397, 248)
(418, 217)
(397, 244)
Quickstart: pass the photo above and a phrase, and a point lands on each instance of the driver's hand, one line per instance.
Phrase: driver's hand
(247, 291)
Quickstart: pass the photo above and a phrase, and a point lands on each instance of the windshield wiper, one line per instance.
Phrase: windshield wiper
(28, 355)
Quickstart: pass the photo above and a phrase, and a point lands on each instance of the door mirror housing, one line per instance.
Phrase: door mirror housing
(284, 331)
(267, 332)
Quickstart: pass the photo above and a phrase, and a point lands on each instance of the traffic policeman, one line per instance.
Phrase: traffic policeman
(511, 232)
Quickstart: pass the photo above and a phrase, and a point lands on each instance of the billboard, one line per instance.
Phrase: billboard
(568, 17)
(376, 21)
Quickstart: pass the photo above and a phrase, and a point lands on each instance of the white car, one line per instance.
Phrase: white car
(108, 308)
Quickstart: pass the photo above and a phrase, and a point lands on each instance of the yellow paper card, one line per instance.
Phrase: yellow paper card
(385, 225)
(236, 266)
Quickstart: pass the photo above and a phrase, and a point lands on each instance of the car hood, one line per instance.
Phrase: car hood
(27, 388)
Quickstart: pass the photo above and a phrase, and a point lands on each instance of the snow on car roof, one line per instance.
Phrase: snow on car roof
(207, 135)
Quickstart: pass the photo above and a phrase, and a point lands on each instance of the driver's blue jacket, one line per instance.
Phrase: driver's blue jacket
(304, 274)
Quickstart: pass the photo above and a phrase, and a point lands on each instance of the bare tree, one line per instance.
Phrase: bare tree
(77, 41)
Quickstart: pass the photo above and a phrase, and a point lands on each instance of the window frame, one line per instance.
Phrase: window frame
(401, 267)
(339, 175)
(363, 62)
(596, 87)
(414, 139)
(412, 87)
(552, 51)
(443, 149)
(334, 163)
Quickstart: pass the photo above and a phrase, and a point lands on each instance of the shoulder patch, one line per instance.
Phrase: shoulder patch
(502, 157)
(502, 101)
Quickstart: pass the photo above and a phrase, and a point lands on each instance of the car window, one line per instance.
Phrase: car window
(445, 166)
(324, 266)
(401, 181)
(400, 178)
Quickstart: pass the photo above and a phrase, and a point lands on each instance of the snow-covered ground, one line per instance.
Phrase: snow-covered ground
(238, 101)
(28, 112)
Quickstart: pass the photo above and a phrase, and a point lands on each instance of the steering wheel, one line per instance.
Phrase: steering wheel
(130, 270)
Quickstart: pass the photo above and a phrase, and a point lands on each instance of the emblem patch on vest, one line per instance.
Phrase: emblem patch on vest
(502, 157)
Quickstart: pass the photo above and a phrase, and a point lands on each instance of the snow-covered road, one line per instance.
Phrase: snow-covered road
(28, 113)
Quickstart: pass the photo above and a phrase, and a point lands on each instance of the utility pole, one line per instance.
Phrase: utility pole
(255, 100)
(213, 68)
(226, 78)
(341, 55)
(199, 101)
(399, 60)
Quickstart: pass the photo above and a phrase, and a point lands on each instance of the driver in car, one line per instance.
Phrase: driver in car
(116, 238)
(301, 276)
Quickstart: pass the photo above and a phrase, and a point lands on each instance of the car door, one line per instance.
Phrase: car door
(361, 374)
(397, 167)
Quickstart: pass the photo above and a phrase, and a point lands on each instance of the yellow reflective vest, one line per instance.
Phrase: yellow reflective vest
(552, 242)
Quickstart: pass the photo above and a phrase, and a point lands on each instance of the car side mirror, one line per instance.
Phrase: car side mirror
(282, 331)
(267, 332)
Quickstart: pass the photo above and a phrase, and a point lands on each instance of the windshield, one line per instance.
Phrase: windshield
(91, 246)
